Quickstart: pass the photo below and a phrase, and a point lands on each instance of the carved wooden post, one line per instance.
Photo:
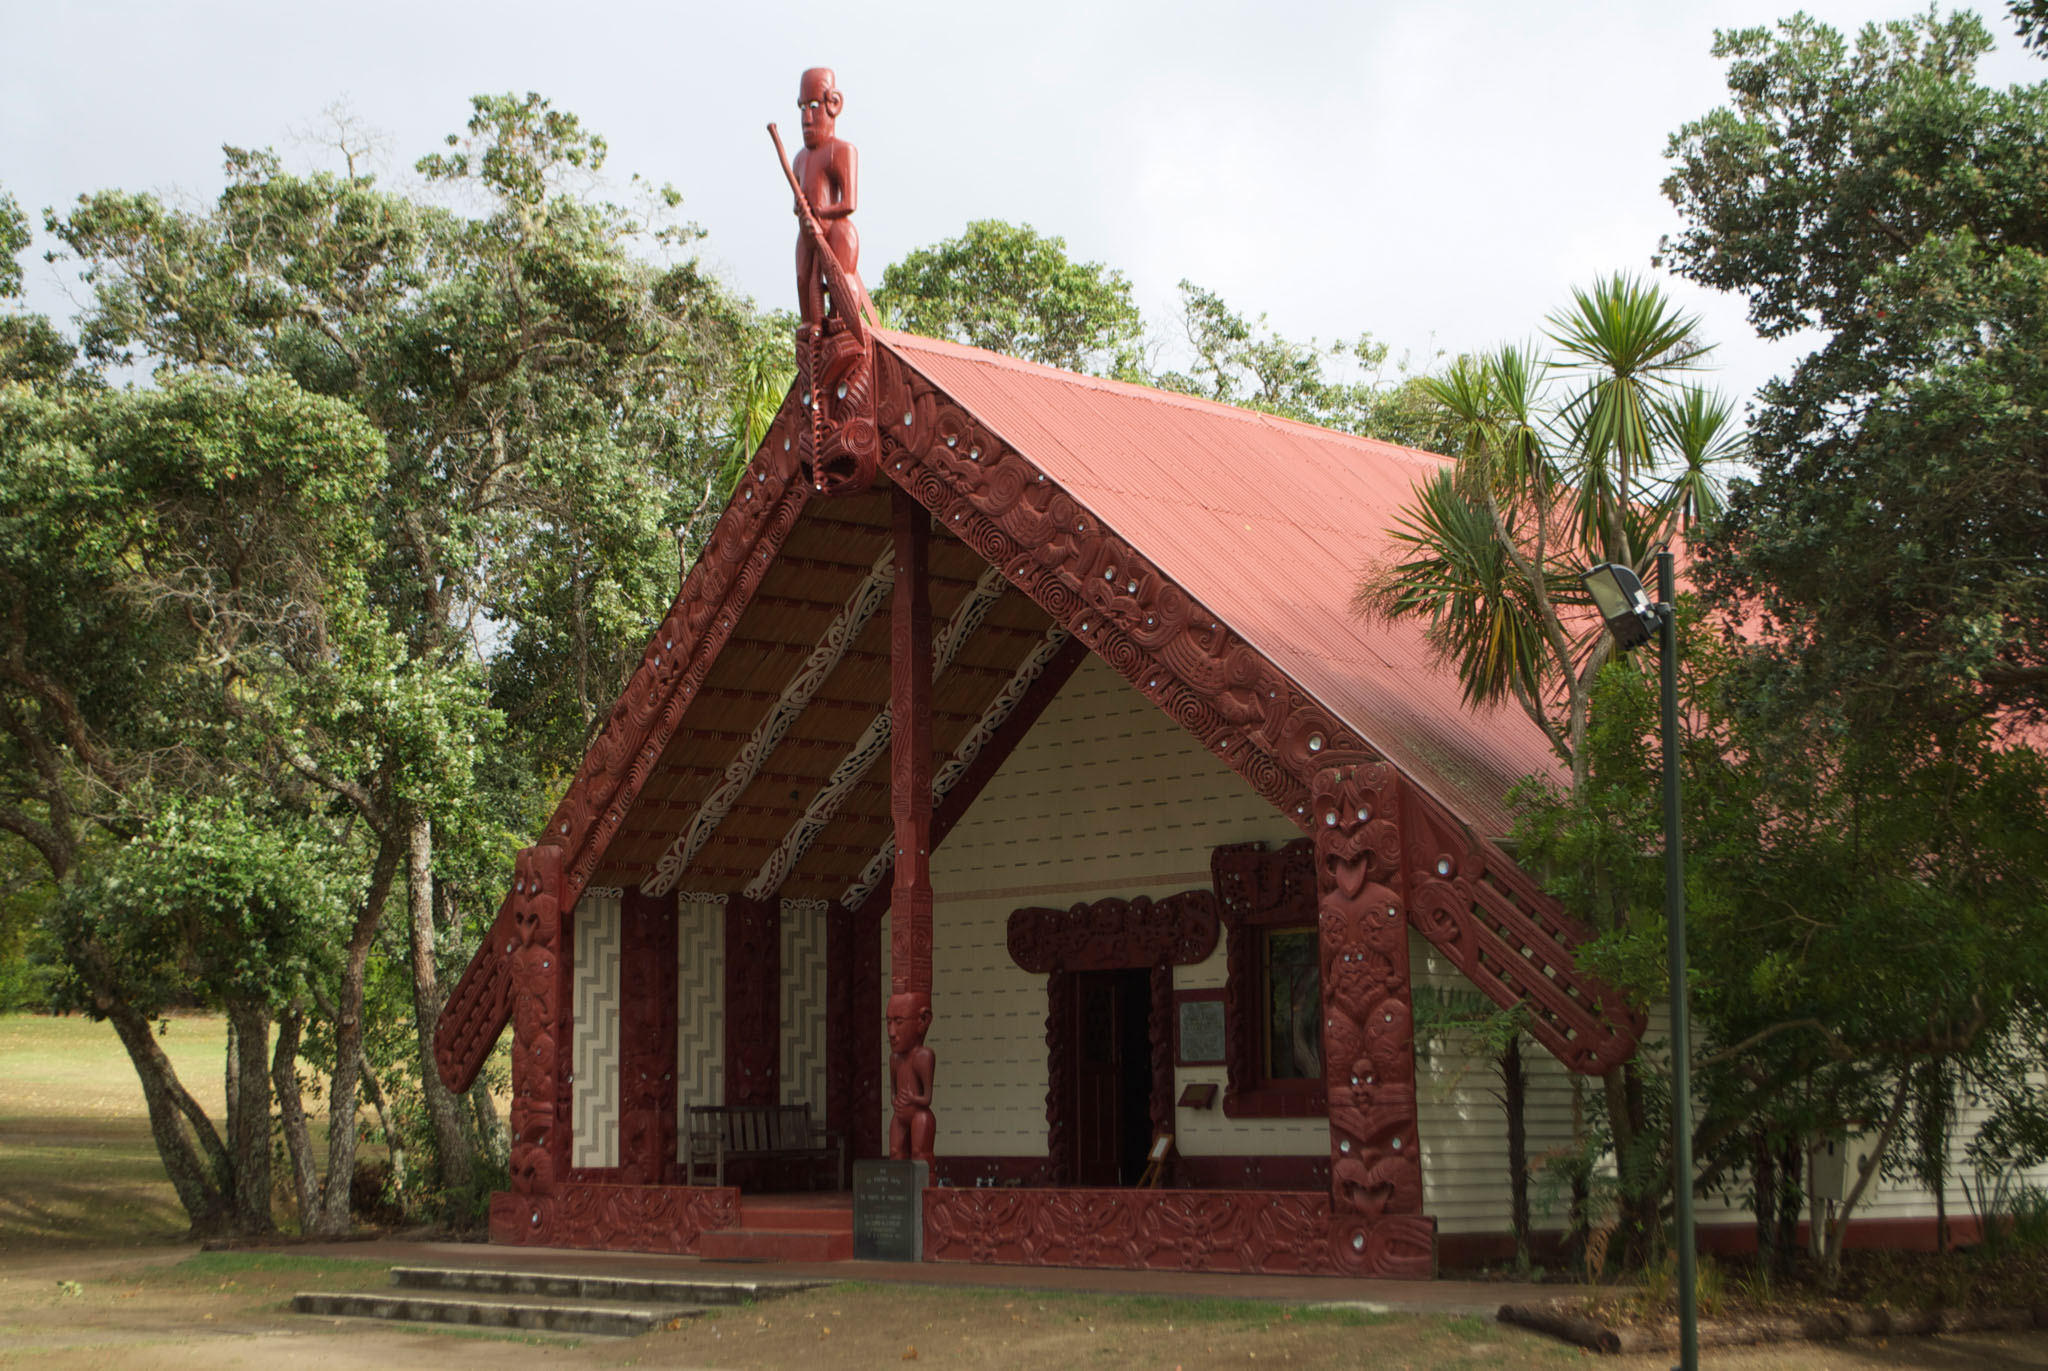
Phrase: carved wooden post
(647, 1038)
(912, 1065)
(753, 1000)
(1368, 1024)
(540, 998)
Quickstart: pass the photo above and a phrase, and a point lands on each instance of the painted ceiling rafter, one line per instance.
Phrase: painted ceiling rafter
(869, 596)
(873, 743)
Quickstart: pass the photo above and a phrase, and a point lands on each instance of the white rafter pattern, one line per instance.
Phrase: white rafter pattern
(993, 718)
(796, 696)
(967, 617)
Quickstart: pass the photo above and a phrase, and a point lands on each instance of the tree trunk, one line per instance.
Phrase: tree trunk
(249, 1116)
(1790, 1197)
(1514, 1081)
(453, 1143)
(1763, 1172)
(348, 1047)
(195, 1161)
(291, 1109)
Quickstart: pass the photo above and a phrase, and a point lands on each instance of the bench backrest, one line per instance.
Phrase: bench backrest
(753, 1127)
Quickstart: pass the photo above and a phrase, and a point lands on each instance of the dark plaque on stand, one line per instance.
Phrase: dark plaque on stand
(888, 1211)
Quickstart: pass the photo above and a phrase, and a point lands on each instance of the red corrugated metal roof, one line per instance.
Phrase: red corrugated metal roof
(1268, 523)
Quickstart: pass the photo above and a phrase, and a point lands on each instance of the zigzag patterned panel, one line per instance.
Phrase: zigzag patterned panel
(594, 1106)
(803, 1003)
(700, 990)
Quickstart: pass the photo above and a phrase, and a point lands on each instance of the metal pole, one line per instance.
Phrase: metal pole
(1674, 917)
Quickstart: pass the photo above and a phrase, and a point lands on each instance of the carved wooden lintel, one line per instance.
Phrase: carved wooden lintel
(1106, 935)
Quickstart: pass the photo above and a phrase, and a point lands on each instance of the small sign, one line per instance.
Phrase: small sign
(888, 1211)
(1200, 1030)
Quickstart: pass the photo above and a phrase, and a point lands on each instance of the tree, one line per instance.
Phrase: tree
(172, 558)
(1886, 562)
(1010, 289)
(1240, 361)
(1890, 540)
(1860, 942)
(547, 406)
(1599, 452)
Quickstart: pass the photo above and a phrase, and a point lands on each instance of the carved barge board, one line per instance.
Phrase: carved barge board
(1465, 895)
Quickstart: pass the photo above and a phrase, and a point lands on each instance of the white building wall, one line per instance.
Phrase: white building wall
(1108, 797)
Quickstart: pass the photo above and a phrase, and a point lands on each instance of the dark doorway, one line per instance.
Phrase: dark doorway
(1112, 1047)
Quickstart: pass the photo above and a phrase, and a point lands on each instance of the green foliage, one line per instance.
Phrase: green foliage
(14, 240)
(1010, 289)
(1890, 540)
(1240, 361)
(1600, 451)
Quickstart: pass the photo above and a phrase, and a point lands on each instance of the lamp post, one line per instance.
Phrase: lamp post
(1632, 619)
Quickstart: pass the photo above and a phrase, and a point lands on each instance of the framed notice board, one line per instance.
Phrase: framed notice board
(1198, 1028)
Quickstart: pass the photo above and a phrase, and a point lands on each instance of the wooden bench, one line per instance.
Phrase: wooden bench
(719, 1133)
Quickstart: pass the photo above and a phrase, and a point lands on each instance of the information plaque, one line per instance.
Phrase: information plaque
(1200, 1036)
(888, 1211)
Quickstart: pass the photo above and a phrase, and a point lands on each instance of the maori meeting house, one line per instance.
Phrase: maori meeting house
(1010, 786)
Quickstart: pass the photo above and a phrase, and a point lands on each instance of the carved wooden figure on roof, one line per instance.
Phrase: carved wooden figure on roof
(835, 352)
(828, 176)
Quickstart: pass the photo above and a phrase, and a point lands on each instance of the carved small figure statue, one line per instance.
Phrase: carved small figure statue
(828, 169)
(912, 1128)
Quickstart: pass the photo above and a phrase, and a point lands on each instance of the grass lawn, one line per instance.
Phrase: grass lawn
(85, 1281)
(77, 1165)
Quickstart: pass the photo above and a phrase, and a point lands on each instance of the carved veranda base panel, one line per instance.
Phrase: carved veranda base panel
(1269, 1232)
(614, 1218)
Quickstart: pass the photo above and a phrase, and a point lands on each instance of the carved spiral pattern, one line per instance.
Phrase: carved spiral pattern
(635, 1218)
(1265, 1231)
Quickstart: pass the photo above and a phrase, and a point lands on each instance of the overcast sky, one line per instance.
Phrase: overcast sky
(1437, 174)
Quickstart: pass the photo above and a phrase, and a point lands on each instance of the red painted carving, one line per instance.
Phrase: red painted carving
(1368, 1020)
(1059, 1078)
(1512, 941)
(911, 1063)
(539, 999)
(616, 1218)
(1112, 934)
(1198, 670)
(1109, 935)
(1265, 1231)
(715, 592)
(753, 1001)
(1257, 889)
(834, 350)
(647, 1039)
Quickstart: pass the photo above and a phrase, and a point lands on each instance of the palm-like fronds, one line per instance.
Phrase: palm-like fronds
(1629, 344)
(1699, 431)
(1460, 580)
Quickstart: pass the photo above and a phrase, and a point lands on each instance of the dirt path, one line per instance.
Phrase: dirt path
(167, 1308)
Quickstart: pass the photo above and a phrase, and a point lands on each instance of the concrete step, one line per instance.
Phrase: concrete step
(776, 1245)
(617, 1320)
(633, 1289)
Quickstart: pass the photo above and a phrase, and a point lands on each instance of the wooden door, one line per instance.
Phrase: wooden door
(1097, 1078)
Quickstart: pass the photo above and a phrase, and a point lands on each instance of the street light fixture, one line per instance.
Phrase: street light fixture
(1633, 620)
